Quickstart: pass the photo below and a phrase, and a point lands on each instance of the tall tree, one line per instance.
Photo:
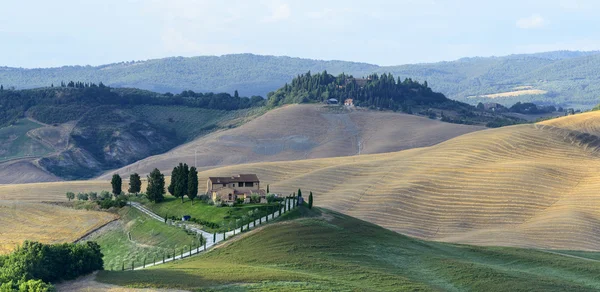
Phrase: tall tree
(116, 183)
(268, 192)
(174, 180)
(180, 180)
(135, 183)
(192, 188)
(299, 193)
(156, 186)
(310, 200)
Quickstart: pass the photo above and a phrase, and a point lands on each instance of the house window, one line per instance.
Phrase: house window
(249, 184)
(230, 197)
(224, 185)
(241, 185)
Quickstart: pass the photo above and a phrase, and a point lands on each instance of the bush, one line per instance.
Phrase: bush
(105, 195)
(271, 198)
(254, 198)
(93, 196)
(35, 263)
(82, 196)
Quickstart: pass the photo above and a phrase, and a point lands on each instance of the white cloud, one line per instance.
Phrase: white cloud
(533, 21)
(279, 12)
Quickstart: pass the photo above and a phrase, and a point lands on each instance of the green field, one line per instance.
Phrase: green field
(149, 238)
(14, 142)
(189, 122)
(222, 216)
(335, 252)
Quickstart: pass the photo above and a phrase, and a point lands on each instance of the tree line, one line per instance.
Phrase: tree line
(33, 266)
(75, 98)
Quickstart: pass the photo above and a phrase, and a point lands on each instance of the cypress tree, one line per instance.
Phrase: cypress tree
(116, 183)
(135, 183)
(310, 200)
(192, 184)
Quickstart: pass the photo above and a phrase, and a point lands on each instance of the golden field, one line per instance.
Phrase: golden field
(514, 93)
(531, 185)
(45, 223)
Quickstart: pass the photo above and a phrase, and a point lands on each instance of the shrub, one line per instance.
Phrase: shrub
(93, 196)
(271, 198)
(82, 196)
(254, 198)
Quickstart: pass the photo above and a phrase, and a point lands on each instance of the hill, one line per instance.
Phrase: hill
(324, 251)
(526, 185)
(567, 78)
(79, 130)
(304, 131)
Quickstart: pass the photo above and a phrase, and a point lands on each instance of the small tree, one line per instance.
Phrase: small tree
(299, 193)
(93, 196)
(105, 195)
(192, 184)
(116, 183)
(156, 186)
(70, 196)
(268, 189)
(135, 184)
(82, 196)
(310, 200)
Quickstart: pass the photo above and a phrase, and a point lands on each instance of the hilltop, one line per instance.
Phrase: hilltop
(561, 78)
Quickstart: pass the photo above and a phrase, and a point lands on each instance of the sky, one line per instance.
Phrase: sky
(44, 33)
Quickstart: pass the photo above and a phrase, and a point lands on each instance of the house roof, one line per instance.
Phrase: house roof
(234, 179)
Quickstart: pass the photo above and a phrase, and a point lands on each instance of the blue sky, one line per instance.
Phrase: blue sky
(55, 33)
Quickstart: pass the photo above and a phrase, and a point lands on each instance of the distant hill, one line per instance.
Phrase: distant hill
(562, 78)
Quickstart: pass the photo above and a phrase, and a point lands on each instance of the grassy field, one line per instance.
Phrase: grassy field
(219, 215)
(14, 142)
(20, 221)
(330, 251)
(149, 238)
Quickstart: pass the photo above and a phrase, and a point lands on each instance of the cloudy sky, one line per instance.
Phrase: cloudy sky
(68, 32)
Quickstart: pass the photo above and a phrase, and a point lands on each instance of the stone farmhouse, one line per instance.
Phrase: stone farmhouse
(229, 189)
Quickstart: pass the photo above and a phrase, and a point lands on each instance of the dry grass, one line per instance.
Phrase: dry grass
(46, 223)
(526, 185)
(297, 132)
(514, 93)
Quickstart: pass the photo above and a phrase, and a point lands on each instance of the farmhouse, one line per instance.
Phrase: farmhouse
(229, 189)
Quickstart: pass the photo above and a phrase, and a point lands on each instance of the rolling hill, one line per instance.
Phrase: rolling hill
(304, 131)
(568, 78)
(321, 250)
(526, 185)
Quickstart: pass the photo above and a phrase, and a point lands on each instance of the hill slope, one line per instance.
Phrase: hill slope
(526, 185)
(328, 251)
(568, 77)
(297, 132)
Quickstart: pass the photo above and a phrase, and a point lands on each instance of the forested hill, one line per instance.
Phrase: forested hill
(561, 78)
(374, 91)
(383, 92)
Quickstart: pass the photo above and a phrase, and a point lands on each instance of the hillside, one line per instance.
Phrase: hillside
(79, 130)
(304, 131)
(527, 185)
(328, 251)
(568, 78)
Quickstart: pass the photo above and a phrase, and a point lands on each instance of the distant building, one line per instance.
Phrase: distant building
(492, 106)
(349, 102)
(229, 189)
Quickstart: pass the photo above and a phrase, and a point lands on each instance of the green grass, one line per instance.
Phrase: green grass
(14, 142)
(188, 122)
(149, 238)
(330, 251)
(200, 210)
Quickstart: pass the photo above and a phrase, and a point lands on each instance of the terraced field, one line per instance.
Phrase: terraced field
(526, 185)
(45, 223)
